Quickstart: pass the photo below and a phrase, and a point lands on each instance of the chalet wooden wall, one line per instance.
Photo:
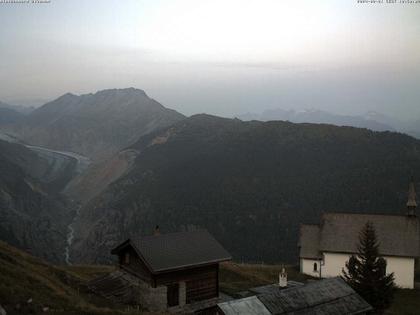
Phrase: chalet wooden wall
(135, 266)
(201, 283)
(201, 289)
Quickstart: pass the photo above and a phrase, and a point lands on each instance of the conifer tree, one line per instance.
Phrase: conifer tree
(366, 272)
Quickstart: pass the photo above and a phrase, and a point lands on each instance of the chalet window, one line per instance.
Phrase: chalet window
(315, 267)
(127, 258)
(172, 294)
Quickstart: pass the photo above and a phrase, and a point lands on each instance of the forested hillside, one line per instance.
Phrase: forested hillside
(32, 215)
(249, 183)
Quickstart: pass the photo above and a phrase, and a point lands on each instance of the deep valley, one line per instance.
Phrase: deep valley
(251, 184)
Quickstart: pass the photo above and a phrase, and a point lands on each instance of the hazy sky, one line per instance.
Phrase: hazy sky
(218, 56)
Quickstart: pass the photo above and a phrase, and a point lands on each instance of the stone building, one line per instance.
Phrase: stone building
(325, 248)
(175, 270)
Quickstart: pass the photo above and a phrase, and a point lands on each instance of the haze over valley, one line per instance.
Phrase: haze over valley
(123, 121)
(116, 163)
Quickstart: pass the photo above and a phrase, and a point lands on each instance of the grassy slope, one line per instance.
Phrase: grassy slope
(406, 302)
(62, 289)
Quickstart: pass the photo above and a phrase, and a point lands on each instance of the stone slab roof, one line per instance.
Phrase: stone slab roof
(398, 235)
(117, 286)
(250, 306)
(324, 297)
(309, 241)
(266, 289)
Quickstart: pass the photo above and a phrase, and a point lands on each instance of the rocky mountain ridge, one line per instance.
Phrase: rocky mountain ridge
(96, 125)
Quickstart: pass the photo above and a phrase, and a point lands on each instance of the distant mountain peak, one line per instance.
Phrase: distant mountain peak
(310, 110)
(130, 90)
(18, 108)
(68, 95)
(98, 124)
(205, 116)
(313, 115)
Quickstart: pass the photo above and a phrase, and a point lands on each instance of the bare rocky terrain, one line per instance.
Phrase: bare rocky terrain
(63, 154)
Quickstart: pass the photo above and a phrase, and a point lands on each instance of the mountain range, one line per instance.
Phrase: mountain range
(371, 120)
(250, 183)
(18, 108)
(12, 114)
(9, 116)
(96, 125)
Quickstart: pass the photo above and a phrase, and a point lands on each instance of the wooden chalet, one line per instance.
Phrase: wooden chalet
(175, 269)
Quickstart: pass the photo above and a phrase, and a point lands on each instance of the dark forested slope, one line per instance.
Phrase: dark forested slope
(250, 183)
(31, 216)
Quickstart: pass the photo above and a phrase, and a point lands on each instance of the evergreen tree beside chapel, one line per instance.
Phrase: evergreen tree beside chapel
(366, 272)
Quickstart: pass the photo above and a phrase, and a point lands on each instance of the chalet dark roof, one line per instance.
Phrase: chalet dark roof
(398, 235)
(309, 241)
(172, 251)
(325, 297)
